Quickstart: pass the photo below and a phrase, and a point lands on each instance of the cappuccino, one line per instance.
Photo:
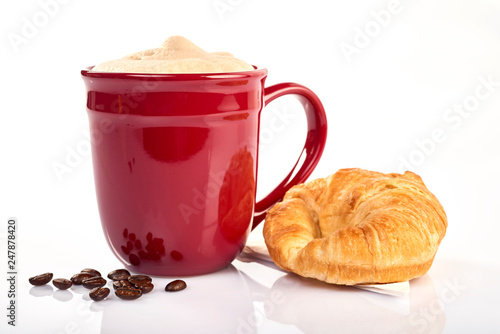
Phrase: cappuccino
(176, 55)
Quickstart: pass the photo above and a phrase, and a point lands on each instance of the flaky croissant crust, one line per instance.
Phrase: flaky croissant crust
(357, 227)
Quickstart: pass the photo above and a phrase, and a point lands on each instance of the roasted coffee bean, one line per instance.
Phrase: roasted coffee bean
(99, 293)
(122, 284)
(77, 279)
(128, 293)
(139, 279)
(176, 285)
(41, 279)
(94, 282)
(118, 274)
(140, 283)
(91, 271)
(146, 287)
(134, 260)
(62, 283)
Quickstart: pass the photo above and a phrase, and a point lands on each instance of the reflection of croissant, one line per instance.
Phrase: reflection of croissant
(237, 196)
(304, 297)
(356, 227)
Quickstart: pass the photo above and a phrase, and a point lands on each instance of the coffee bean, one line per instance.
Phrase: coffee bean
(134, 260)
(143, 255)
(122, 284)
(125, 250)
(119, 274)
(177, 256)
(139, 279)
(41, 279)
(128, 293)
(91, 271)
(176, 285)
(94, 282)
(62, 283)
(98, 294)
(146, 287)
(139, 283)
(77, 279)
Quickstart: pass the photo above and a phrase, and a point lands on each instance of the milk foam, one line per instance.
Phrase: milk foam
(176, 55)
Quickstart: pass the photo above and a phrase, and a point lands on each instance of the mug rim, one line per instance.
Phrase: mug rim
(257, 72)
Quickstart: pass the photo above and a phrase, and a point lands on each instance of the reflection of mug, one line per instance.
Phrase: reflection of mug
(222, 308)
(175, 164)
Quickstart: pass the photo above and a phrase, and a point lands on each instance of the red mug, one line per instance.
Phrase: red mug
(175, 164)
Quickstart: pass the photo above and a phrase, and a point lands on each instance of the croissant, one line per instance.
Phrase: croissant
(357, 227)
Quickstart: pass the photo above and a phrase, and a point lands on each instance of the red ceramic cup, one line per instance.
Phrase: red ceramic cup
(175, 164)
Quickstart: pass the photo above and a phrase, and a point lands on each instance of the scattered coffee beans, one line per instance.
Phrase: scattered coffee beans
(122, 284)
(176, 285)
(94, 282)
(41, 279)
(119, 274)
(139, 279)
(128, 293)
(77, 279)
(62, 283)
(126, 286)
(142, 282)
(91, 271)
(146, 287)
(98, 294)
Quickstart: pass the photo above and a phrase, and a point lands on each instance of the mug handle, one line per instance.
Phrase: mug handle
(313, 147)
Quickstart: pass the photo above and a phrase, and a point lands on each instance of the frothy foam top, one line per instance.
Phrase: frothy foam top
(176, 55)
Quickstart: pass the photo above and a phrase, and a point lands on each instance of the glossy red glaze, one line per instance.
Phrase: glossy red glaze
(175, 164)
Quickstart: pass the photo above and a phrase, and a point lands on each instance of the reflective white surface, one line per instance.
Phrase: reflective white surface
(254, 296)
(383, 107)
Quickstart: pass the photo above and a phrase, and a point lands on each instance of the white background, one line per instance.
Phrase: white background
(389, 85)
